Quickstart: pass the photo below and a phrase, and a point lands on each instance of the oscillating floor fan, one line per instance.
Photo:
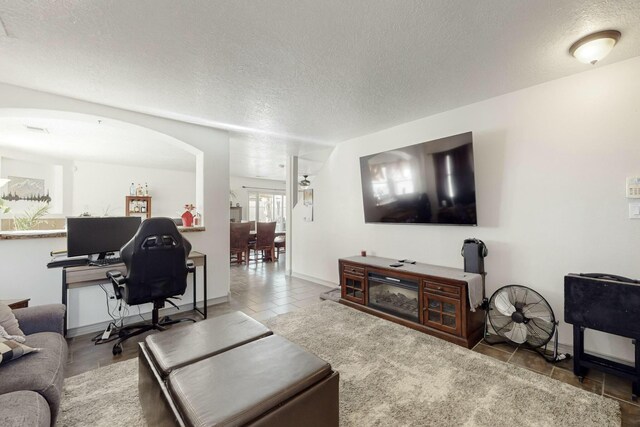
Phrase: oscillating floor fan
(522, 316)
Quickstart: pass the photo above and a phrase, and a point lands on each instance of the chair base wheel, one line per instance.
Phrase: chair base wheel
(117, 349)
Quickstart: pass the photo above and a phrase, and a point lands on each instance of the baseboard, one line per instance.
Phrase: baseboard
(97, 327)
(314, 280)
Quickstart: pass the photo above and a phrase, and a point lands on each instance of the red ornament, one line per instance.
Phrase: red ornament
(187, 219)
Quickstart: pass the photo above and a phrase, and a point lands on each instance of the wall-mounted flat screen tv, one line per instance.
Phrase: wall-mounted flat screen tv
(428, 183)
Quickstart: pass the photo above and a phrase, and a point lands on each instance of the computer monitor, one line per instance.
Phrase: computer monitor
(97, 236)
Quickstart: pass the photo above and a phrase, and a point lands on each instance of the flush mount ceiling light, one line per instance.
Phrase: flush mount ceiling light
(305, 182)
(592, 48)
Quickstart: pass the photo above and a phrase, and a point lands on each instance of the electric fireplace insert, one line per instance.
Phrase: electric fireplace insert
(394, 296)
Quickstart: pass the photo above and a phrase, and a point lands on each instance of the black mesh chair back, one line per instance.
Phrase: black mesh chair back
(156, 261)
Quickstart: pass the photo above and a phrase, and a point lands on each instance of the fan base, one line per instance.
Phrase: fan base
(548, 355)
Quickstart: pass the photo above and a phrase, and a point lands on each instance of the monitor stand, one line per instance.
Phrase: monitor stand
(101, 255)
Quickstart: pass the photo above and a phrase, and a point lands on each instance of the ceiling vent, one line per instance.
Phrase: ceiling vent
(36, 129)
(3, 29)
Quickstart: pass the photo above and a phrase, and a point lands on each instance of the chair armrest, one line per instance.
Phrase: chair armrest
(41, 318)
(191, 266)
(118, 281)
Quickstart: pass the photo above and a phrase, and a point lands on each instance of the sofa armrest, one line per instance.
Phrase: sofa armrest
(41, 318)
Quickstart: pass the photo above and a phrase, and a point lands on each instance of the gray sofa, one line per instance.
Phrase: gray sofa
(31, 387)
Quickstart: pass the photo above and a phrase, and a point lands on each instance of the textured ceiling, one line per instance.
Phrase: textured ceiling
(316, 72)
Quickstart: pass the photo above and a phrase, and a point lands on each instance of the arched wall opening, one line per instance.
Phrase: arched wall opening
(71, 164)
(25, 260)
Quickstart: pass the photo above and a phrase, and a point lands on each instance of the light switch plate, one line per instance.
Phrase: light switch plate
(633, 187)
(634, 210)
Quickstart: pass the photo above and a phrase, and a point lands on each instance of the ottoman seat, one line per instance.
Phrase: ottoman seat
(242, 384)
(231, 371)
(181, 346)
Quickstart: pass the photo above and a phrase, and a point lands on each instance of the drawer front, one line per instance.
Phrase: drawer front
(353, 270)
(441, 289)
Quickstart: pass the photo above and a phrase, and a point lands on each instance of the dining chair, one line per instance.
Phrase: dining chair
(239, 240)
(280, 244)
(265, 235)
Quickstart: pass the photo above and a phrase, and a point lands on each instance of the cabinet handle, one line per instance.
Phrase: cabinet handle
(439, 288)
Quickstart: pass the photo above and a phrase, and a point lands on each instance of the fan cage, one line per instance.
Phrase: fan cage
(539, 332)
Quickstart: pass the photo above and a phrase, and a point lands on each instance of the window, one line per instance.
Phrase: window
(268, 207)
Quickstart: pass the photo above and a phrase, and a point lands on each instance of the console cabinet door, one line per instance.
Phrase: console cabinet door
(353, 288)
(442, 312)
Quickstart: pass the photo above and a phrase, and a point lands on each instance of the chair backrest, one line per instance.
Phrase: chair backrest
(156, 260)
(240, 232)
(265, 234)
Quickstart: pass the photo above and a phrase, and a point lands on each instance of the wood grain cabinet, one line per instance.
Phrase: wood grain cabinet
(414, 296)
(352, 283)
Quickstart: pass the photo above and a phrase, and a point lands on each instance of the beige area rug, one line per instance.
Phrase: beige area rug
(105, 397)
(389, 376)
(394, 376)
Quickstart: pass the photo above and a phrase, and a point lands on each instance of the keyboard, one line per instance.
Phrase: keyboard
(106, 261)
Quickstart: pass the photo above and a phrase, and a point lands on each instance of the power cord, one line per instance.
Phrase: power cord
(118, 318)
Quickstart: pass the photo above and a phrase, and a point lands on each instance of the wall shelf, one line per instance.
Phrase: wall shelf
(138, 206)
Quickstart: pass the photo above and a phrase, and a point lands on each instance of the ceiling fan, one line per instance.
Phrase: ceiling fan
(305, 182)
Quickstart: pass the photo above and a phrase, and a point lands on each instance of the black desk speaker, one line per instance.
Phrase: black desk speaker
(474, 251)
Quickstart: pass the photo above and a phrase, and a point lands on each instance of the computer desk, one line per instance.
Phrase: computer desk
(91, 275)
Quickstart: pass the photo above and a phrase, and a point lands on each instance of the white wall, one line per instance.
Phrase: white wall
(24, 261)
(242, 194)
(551, 163)
(102, 187)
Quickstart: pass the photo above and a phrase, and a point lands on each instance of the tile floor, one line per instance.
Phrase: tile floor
(260, 290)
(595, 381)
(263, 291)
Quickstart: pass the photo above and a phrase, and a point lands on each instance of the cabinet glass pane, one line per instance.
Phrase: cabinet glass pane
(449, 321)
(448, 307)
(358, 294)
(434, 304)
(351, 283)
(434, 316)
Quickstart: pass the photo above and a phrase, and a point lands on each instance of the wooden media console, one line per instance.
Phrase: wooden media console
(427, 298)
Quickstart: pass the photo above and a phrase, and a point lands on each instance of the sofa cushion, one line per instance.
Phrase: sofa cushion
(24, 408)
(12, 350)
(42, 372)
(8, 321)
